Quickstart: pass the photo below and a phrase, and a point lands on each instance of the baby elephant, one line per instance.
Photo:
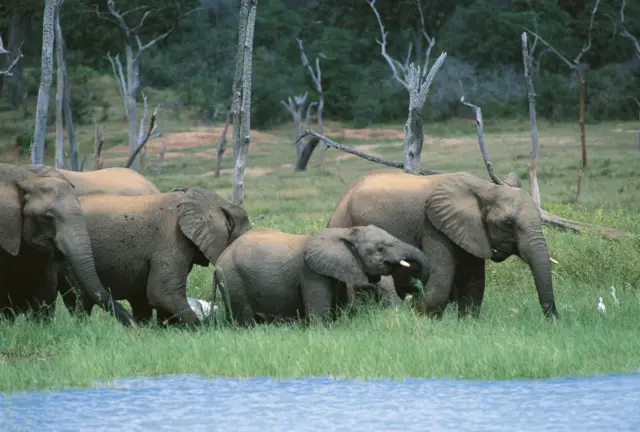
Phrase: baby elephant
(145, 246)
(269, 275)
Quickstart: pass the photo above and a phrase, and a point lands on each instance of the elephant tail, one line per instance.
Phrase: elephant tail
(219, 281)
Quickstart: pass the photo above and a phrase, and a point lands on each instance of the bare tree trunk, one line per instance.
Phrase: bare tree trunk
(97, 148)
(638, 103)
(533, 163)
(161, 157)
(242, 98)
(13, 85)
(60, 90)
(40, 131)
(221, 146)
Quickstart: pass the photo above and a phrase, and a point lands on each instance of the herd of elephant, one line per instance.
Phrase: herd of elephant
(102, 236)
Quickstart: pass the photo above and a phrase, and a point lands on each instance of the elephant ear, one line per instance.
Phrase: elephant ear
(46, 171)
(10, 218)
(205, 221)
(452, 205)
(331, 253)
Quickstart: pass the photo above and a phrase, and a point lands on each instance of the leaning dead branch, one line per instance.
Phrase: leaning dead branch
(317, 82)
(241, 107)
(625, 33)
(318, 137)
(142, 137)
(398, 68)
(9, 69)
(575, 66)
(295, 106)
(548, 219)
(527, 59)
(483, 147)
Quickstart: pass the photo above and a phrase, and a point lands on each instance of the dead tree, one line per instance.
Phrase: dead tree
(63, 103)
(9, 69)
(129, 83)
(40, 130)
(163, 150)
(143, 138)
(317, 82)
(638, 103)
(221, 145)
(575, 66)
(417, 81)
(527, 59)
(241, 107)
(625, 33)
(295, 106)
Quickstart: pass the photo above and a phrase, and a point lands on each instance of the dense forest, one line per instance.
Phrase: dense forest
(481, 37)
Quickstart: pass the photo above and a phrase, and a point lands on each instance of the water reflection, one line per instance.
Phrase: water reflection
(194, 403)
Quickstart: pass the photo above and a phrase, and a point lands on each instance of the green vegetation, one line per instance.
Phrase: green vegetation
(510, 339)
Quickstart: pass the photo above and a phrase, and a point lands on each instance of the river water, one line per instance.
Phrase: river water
(194, 403)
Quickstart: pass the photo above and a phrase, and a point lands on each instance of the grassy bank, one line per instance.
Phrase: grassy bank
(511, 338)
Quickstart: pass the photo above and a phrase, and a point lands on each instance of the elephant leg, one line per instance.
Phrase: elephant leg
(470, 283)
(167, 290)
(437, 291)
(141, 310)
(386, 292)
(317, 295)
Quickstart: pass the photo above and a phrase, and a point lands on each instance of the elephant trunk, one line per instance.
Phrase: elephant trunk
(415, 255)
(534, 251)
(75, 245)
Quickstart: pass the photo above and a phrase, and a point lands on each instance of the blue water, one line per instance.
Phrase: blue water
(194, 403)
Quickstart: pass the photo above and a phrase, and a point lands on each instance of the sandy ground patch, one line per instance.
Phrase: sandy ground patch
(366, 133)
(248, 171)
(193, 138)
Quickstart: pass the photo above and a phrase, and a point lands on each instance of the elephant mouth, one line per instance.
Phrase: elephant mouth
(500, 255)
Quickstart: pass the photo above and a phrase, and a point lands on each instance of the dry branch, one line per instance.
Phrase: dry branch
(9, 69)
(638, 103)
(527, 59)
(142, 138)
(318, 137)
(625, 33)
(395, 64)
(241, 107)
(163, 150)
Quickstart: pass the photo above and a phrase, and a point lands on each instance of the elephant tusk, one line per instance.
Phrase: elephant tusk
(404, 263)
(553, 261)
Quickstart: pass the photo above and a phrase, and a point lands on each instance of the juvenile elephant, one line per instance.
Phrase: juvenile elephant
(458, 220)
(41, 223)
(145, 246)
(268, 275)
(114, 180)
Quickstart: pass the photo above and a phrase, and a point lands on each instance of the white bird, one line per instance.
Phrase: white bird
(202, 308)
(613, 294)
(601, 307)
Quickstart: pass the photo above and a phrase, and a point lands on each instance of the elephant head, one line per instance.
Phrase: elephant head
(44, 214)
(209, 221)
(361, 255)
(492, 221)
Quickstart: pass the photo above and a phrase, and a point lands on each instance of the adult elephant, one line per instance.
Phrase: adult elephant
(114, 180)
(41, 223)
(458, 220)
(267, 275)
(145, 246)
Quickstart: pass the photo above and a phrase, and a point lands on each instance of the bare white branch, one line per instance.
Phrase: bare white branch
(9, 69)
(118, 74)
(533, 163)
(625, 33)
(483, 147)
(587, 46)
